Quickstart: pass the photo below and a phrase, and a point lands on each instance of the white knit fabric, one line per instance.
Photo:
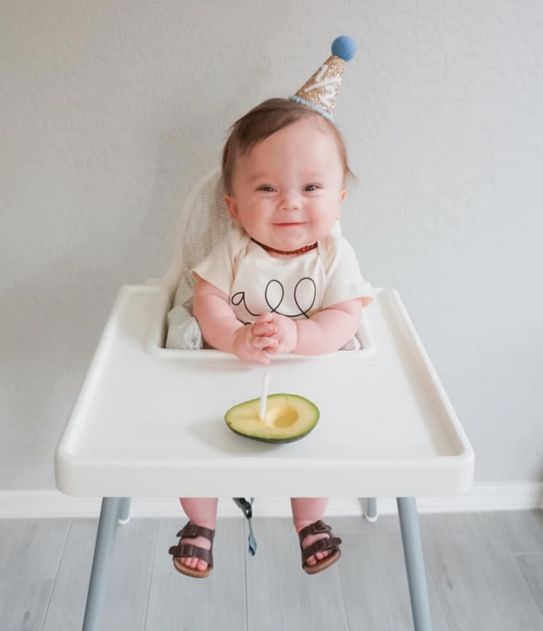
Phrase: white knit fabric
(207, 223)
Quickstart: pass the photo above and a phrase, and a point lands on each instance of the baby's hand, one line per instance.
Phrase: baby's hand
(250, 346)
(280, 332)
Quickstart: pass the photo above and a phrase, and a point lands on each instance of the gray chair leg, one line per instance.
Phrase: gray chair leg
(414, 562)
(124, 511)
(103, 553)
(371, 509)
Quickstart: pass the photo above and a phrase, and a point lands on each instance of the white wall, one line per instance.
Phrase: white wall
(110, 111)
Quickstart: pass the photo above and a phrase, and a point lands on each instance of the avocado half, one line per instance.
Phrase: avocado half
(288, 417)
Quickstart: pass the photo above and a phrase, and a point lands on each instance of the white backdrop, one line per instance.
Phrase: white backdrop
(111, 111)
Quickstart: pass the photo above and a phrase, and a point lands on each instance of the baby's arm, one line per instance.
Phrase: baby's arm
(222, 330)
(328, 330)
(324, 332)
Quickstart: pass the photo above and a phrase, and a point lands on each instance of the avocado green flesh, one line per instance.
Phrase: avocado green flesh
(288, 417)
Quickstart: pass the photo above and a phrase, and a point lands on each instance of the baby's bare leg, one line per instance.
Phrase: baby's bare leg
(201, 511)
(306, 510)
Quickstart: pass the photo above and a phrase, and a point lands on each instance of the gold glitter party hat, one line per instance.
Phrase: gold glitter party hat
(320, 91)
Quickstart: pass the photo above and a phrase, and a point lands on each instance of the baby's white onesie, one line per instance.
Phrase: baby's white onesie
(296, 287)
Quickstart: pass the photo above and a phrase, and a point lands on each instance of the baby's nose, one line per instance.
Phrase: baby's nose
(290, 201)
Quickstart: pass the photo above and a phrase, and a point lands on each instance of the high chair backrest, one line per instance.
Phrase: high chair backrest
(203, 221)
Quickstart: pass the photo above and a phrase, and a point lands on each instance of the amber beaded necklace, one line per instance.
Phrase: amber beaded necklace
(306, 248)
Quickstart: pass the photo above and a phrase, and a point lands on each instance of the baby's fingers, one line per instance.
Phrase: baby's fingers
(265, 317)
(264, 328)
(276, 349)
(263, 342)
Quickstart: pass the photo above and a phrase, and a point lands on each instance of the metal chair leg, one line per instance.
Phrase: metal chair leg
(371, 509)
(414, 563)
(124, 511)
(103, 553)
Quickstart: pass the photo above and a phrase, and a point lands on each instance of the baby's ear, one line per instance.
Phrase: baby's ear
(232, 207)
(342, 196)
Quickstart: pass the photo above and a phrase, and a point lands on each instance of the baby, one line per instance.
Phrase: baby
(281, 282)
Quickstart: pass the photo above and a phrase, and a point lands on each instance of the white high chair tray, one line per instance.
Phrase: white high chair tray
(150, 421)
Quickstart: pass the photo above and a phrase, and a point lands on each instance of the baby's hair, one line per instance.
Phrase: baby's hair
(263, 121)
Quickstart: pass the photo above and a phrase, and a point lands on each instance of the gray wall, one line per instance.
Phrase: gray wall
(110, 111)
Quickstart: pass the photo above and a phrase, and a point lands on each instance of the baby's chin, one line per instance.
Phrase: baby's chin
(293, 241)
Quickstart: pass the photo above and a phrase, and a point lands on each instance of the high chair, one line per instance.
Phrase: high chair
(149, 419)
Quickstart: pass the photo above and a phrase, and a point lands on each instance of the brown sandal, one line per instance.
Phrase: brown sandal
(321, 545)
(189, 550)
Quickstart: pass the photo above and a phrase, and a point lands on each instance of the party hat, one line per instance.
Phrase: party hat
(321, 90)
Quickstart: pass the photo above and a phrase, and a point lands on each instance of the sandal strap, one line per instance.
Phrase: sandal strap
(192, 531)
(189, 550)
(316, 528)
(320, 545)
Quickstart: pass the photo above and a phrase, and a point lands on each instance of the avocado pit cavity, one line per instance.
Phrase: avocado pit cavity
(283, 416)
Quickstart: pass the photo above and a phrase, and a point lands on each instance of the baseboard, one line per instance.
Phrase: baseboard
(492, 496)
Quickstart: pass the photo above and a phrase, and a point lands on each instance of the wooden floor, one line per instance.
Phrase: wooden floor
(485, 572)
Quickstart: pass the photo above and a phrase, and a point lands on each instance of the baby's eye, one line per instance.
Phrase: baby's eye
(312, 187)
(266, 188)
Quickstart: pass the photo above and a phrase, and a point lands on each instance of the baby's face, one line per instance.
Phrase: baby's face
(287, 191)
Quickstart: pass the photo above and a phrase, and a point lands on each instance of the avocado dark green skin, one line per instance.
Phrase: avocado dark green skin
(276, 441)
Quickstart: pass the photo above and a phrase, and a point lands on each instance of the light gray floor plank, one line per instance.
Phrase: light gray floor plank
(179, 602)
(485, 573)
(531, 566)
(480, 585)
(131, 575)
(24, 603)
(68, 598)
(30, 554)
(280, 595)
(129, 580)
(374, 581)
(521, 531)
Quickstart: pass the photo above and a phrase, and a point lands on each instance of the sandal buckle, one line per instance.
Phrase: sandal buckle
(190, 530)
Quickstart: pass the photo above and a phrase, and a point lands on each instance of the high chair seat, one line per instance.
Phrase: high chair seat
(149, 422)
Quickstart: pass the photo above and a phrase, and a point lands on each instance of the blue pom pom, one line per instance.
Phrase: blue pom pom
(344, 47)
